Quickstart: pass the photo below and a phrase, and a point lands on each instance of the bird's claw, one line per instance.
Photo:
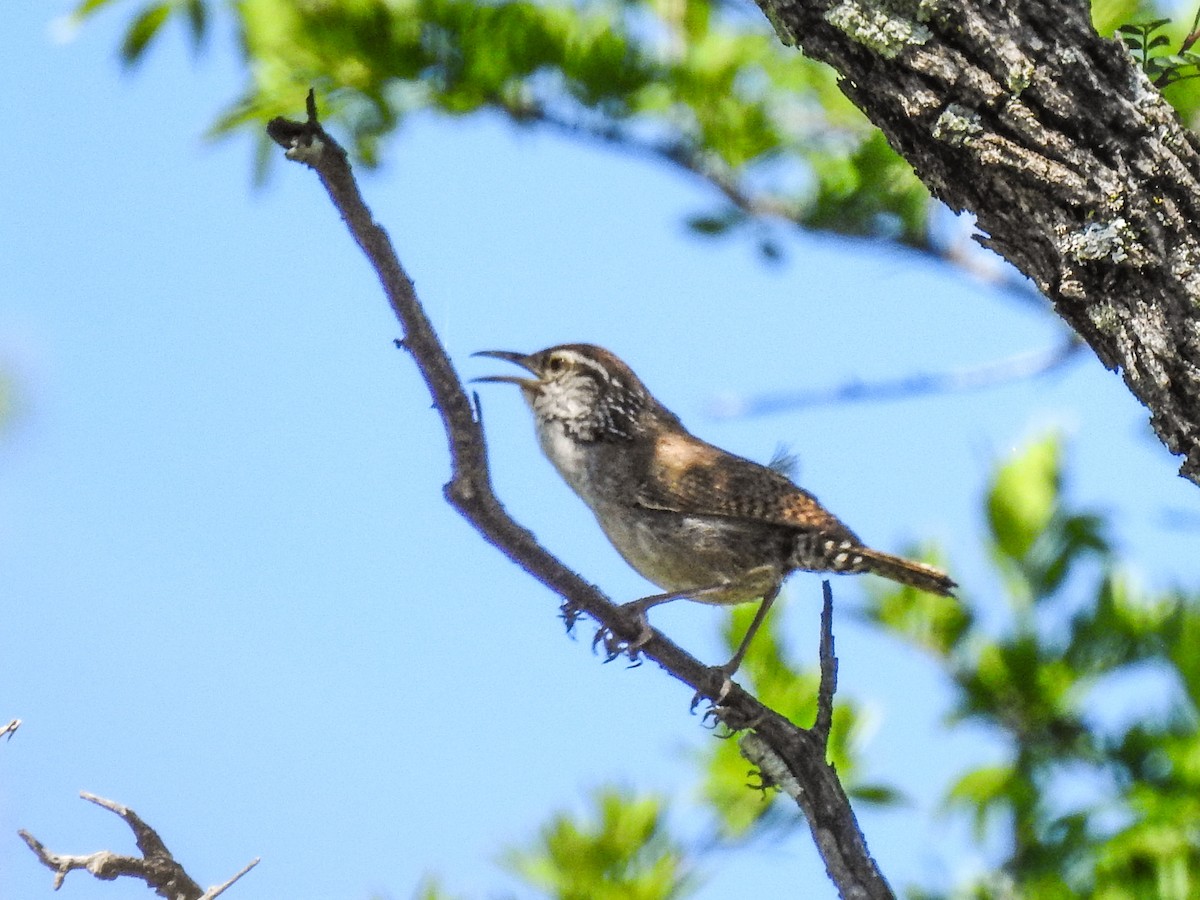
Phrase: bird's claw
(570, 614)
(715, 703)
(615, 646)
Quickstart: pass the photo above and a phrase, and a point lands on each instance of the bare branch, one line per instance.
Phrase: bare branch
(695, 161)
(469, 491)
(156, 866)
(974, 378)
(217, 891)
(829, 668)
(842, 847)
(10, 729)
(692, 160)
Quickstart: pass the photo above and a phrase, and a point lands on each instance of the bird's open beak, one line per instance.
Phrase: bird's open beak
(519, 359)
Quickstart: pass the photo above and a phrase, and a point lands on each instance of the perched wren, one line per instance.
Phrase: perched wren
(700, 523)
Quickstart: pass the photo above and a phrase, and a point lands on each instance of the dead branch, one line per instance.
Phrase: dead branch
(156, 866)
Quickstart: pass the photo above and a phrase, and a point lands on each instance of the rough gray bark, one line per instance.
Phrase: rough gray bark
(1077, 170)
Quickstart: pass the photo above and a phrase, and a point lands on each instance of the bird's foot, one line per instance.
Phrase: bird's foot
(726, 674)
(716, 701)
(615, 646)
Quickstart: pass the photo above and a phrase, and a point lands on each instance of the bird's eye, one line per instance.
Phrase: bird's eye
(554, 365)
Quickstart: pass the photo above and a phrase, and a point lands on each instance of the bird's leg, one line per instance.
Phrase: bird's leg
(614, 646)
(764, 579)
(735, 661)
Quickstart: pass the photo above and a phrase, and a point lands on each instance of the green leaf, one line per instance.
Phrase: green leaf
(877, 795)
(981, 792)
(714, 225)
(709, 93)
(1185, 651)
(1109, 14)
(431, 888)
(1170, 61)
(622, 850)
(197, 16)
(696, 17)
(1023, 497)
(727, 788)
(142, 30)
(87, 7)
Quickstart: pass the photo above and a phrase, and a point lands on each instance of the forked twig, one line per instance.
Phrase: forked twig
(156, 866)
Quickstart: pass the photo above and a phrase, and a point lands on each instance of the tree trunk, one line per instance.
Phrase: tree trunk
(1077, 170)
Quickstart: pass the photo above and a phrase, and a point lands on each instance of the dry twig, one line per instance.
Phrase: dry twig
(829, 667)
(156, 866)
(1033, 364)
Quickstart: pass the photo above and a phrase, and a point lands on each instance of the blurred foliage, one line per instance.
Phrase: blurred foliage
(1089, 687)
(626, 853)
(700, 85)
(783, 684)
(1161, 45)
(1150, 43)
(1092, 690)
(625, 846)
(430, 889)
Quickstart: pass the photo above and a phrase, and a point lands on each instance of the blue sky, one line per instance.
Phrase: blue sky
(233, 596)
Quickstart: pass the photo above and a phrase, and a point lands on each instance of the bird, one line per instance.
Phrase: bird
(697, 521)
